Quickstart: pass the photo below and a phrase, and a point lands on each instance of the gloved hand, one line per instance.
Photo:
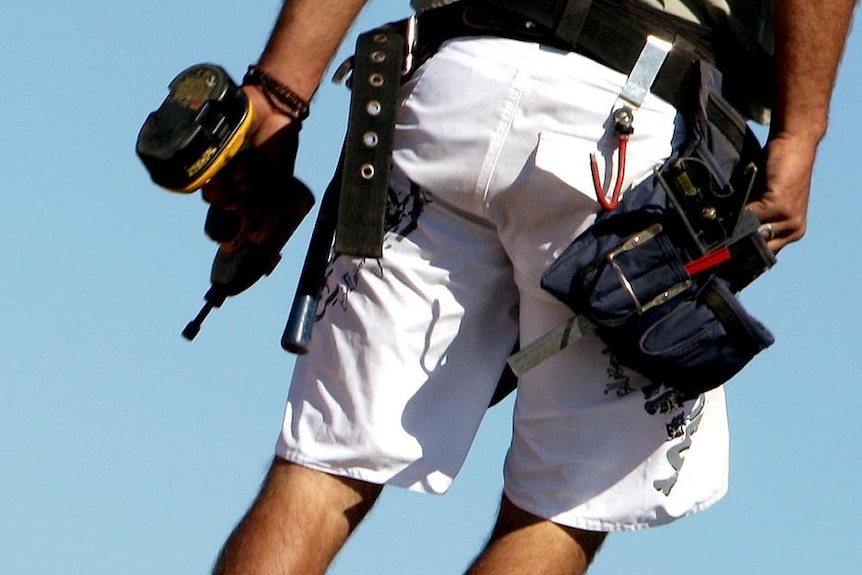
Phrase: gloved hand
(255, 198)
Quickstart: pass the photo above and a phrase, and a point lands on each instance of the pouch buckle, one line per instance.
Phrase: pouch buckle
(633, 242)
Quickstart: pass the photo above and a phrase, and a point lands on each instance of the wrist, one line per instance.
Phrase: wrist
(280, 97)
(266, 120)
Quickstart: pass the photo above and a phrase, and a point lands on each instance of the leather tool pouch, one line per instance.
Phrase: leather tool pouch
(658, 274)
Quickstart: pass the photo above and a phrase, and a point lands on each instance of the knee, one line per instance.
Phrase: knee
(551, 538)
(293, 485)
(298, 522)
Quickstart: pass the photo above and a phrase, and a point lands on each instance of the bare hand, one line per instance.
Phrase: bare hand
(783, 209)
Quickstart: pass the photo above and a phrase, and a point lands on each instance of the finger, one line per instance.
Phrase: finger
(222, 225)
(229, 185)
(777, 236)
(764, 211)
(768, 231)
(776, 245)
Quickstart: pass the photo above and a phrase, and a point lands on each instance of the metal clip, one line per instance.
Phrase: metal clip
(343, 72)
(634, 241)
(410, 29)
(644, 72)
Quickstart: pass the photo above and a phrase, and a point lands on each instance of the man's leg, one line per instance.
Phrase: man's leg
(525, 544)
(297, 524)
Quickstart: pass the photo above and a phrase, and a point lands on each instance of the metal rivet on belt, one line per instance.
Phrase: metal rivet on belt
(381, 38)
(366, 171)
(370, 139)
(378, 56)
(376, 80)
(709, 213)
(373, 108)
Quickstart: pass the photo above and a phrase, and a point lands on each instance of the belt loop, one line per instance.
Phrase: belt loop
(572, 19)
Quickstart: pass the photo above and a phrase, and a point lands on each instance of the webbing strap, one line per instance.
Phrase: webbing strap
(730, 320)
(571, 21)
(608, 31)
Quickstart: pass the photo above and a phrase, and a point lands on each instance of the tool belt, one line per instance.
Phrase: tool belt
(657, 275)
(611, 32)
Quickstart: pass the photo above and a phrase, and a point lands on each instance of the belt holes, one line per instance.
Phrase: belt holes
(370, 139)
(376, 80)
(373, 108)
(366, 171)
(378, 56)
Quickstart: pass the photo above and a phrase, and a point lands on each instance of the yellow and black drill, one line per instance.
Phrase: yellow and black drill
(199, 133)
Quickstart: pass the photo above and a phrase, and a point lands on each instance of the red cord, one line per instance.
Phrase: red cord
(601, 196)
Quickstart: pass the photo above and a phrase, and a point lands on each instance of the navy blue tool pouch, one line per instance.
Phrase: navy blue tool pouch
(658, 274)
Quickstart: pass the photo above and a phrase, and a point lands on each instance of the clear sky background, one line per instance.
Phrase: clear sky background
(126, 449)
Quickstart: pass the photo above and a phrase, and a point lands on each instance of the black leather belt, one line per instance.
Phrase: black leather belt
(611, 32)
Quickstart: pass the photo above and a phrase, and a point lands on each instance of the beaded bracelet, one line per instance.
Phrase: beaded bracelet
(280, 96)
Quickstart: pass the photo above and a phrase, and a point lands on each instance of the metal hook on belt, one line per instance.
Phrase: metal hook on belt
(623, 119)
(636, 88)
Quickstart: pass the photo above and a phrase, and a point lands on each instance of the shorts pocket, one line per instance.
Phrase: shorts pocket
(566, 157)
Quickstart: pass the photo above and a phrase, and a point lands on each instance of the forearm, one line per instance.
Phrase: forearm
(304, 40)
(809, 41)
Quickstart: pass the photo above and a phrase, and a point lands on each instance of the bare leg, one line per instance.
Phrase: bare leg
(297, 524)
(525, 544)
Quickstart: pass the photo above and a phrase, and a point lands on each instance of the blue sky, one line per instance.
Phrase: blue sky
(126, 449)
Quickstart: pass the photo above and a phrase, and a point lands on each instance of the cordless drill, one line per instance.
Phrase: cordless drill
(197, 135)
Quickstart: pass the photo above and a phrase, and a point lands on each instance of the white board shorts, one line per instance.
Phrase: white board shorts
(491, 181)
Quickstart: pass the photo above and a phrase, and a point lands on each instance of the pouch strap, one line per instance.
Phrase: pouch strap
(729, 319)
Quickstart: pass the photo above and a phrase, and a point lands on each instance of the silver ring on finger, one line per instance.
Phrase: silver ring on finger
(767, 231)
